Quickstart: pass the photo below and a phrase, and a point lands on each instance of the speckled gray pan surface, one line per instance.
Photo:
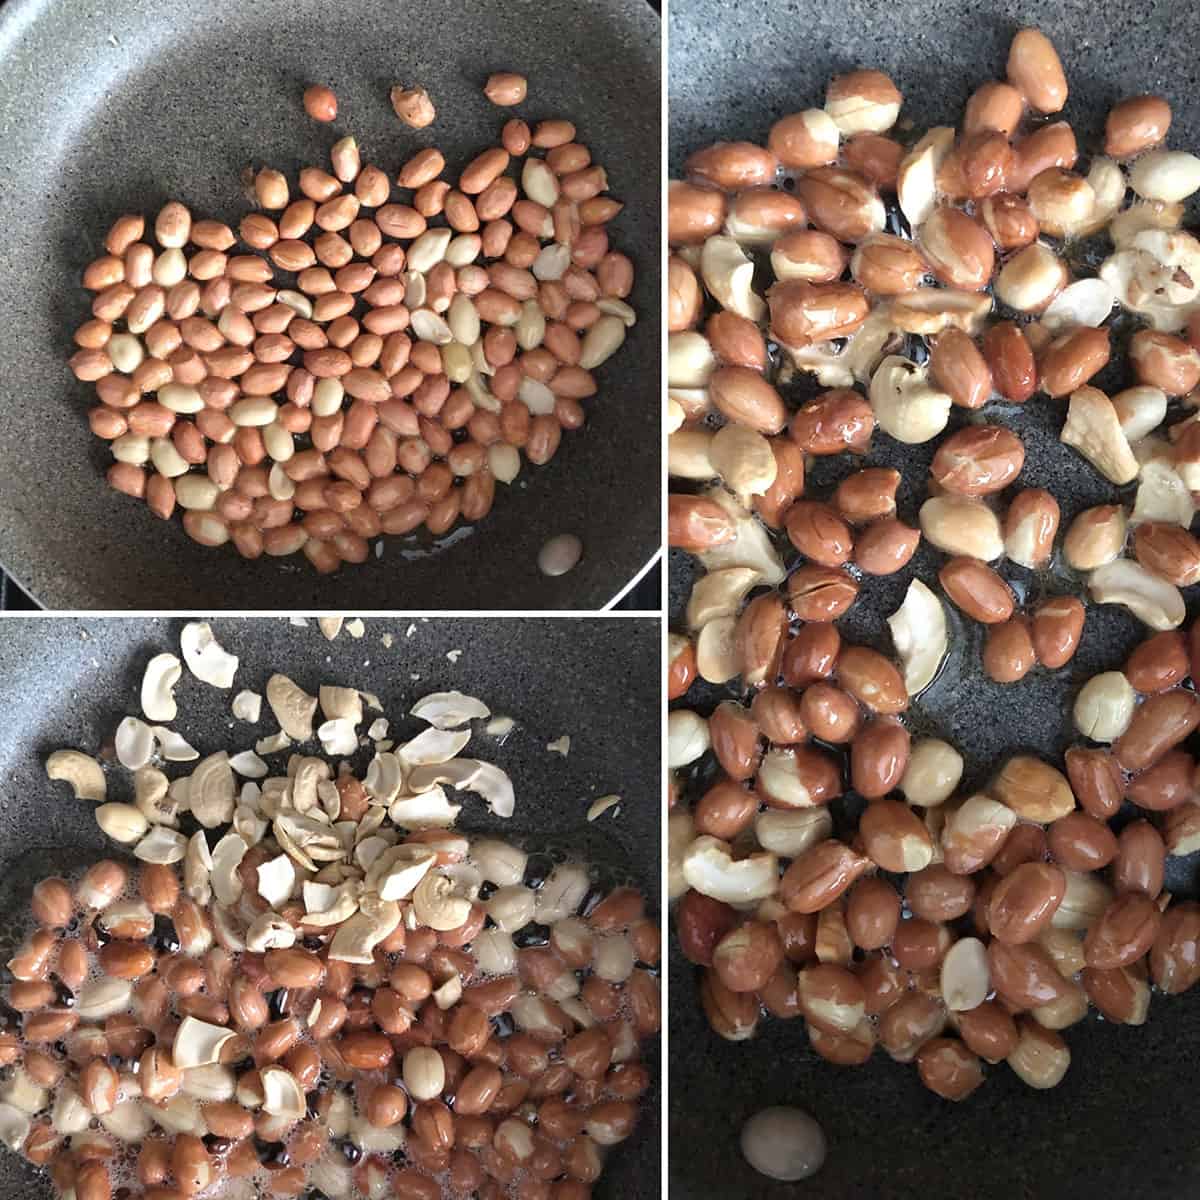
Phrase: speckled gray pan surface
(108, 108)
(734, 71)
(67, 682)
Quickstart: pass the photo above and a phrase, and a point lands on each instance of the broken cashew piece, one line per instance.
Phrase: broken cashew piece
(919, 634)
(1094, 429)
(729, 276)
(1152, 600)
(82, 772)
(205, 657)
(158, 687)
(709, 868)
(293, 707)
(906, 405)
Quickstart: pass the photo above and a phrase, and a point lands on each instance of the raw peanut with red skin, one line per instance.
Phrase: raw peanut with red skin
(1159, 663)
(777, 712)
(872, 679)
(1168, 551)
(1010, 359)
(829, 713)
(986, 159)
(744, 396)
(1124, 933)
(747, 957)
(867, 495)
(1175, 955)
(733, 166)
(1024, 975)
(694, 214)
(735, 739)
(1025, 901)
(1165, 785)
(1164, 361)
(1024, 844)
(1081, 843)
(831, 997)
(1057, 628)
(888, 266)
(817, 531)
(700, 923)
(989, 1031)
(885, 546)
(1095, 779)
(725, 810)
(1008, 219)
(773, 504)
(978, 460)
(819, 876)
(695, 523)
(803, 313)
(819, 593)
(949, 1069)
(872, 913)
(958, 249)
(920, 945)
(976, 589)
(809, 254)
(907, 1025)
(1030, 525)
(1135, 124)
(1159, 724)
(894, 837)
(959, 369)
(810, 655)
(1140, 861)
(1071, 360)
(839, 420)
(758, 636)
(840, 202)
(936, 894)
(736, 341)
(878, 758)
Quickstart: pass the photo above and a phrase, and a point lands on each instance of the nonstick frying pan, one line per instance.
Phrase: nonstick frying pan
(1109, 1127)
(114, 108)
(67, 682)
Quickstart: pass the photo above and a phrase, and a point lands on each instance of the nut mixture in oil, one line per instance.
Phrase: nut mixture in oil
(910, 278)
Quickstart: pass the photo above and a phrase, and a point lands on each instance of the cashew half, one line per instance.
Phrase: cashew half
(729, 277)
(450, 710)
(916, 181)
(293, 707)
(1152, 600)
(82, 772)
(1093, 428)
(205, 658)
(905, 403)
(158, 687)
(919, 634)
(709, 868)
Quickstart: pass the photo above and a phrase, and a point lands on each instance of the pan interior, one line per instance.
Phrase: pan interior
(109, 110)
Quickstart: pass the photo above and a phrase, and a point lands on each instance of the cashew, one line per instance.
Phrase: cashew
(432, 746)
(151, 795)
(1092, 428)
(717, 658)
(339, 702)
(687, 737)
(437, 905)
(1125, 226)
(248, 765)
(752, 547)
(14, 1127)
(162, 845)
(397, 871)
(744, 460)
(928, 310)
(198, 1043)
(338, 737)
(173, 746)
(82, 772)
(449, 710)
(680, 834)
(197, 869)
(791, 833)
(709, 868)
(916, 181)
(429, 810)
(729, 277)
(905, 404)
(276, 880)
(855, 361)
(1107, 181)
(282, 1094)
(919, 634)
(227, 856)
(205, 658)
(1157, 275)
(134, 743)
(384, 778)
(719, 594)
(1152, 600)
(158, 687)
(293, 707)
(468, 774)
(1162, 495)
(211, 791)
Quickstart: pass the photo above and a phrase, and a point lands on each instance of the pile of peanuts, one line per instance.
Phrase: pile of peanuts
(362, 366)
(949, 929)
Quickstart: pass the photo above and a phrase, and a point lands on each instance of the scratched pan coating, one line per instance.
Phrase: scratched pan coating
(67, 682)
(113, 108)
(1107, 1128)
